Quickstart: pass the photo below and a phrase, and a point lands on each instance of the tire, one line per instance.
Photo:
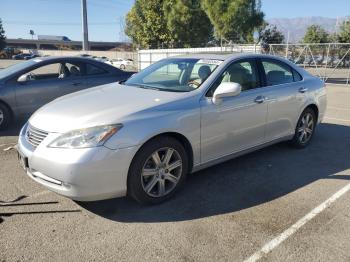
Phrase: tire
(305, 129)
(122, 67)
(5, 117)
(151, 183)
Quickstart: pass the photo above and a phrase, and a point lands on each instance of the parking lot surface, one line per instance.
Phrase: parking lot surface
(225, 213)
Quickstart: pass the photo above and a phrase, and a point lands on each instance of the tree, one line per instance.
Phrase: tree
(168, 23)
(187, 22)
(2, 37)
(344, 32)
(270, 35)
(234, 20)
(316, 34)
(146, 24)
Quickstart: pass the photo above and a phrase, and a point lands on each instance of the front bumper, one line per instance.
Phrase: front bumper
(86, 174)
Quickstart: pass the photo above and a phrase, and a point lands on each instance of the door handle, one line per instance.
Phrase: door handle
(76, 84)
(260, 99)
(302, 89)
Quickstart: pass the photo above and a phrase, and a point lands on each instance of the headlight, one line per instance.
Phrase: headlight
(87, 137)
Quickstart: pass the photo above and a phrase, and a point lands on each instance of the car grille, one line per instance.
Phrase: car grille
(35, 136)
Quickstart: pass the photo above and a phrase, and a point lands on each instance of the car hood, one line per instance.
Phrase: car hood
(102, 105)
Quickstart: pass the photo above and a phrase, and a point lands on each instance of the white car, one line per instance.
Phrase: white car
(121, 63)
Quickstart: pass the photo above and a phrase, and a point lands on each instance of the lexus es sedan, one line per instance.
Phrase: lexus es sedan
(26, 86)
(180, 115)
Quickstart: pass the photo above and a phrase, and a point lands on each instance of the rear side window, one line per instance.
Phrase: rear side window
(74, 69)
(94, 70)
(277, 73)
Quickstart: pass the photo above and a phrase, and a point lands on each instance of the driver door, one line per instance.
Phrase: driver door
(238, 123)
(45, 84)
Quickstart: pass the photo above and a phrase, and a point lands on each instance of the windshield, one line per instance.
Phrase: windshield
(175, 74)
(17, 67)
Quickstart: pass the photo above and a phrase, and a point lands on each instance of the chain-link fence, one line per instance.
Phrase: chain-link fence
(147, 57)
(330, 61)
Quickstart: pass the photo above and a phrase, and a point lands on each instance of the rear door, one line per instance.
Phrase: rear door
(284, 95)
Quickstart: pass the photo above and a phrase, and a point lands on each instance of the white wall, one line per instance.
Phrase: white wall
(109, 54)
(147, 57)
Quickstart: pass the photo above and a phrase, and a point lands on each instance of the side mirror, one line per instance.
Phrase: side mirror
(22, 79)
(226, 89)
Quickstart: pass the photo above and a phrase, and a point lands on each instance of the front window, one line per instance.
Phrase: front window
(17, 67)
(175, 74)
(242, 72)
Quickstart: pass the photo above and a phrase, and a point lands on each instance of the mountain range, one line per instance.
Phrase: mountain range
(297, 26)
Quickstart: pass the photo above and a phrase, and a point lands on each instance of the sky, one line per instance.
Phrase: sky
(105, 17)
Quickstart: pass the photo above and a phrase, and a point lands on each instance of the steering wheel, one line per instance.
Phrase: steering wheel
(194, 83)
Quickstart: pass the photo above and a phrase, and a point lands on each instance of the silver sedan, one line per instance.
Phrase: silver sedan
(180, 115)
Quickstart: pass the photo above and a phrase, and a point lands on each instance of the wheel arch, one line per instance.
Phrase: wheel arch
(314, 107)
(8, 107)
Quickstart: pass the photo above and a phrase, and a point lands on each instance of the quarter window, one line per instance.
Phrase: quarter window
(277, 73)
(297, 77)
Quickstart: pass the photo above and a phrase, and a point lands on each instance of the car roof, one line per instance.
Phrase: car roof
(227, 56)
(48, 58)
(100, 63)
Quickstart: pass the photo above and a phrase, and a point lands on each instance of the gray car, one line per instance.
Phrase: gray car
(26, 86)
(177, 116)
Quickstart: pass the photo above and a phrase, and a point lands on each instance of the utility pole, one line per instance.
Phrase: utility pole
(287, 46)
(85, 26)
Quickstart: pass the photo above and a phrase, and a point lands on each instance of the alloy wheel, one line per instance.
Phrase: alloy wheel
(161, 172)
(306, 128)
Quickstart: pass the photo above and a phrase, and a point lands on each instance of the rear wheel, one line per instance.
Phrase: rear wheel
(5, 116)
(305, 129)
(157, 171)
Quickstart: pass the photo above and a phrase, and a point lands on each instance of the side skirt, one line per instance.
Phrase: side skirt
(239, 153)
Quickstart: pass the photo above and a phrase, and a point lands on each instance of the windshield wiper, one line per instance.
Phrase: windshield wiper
(158, 88)
(149, 87)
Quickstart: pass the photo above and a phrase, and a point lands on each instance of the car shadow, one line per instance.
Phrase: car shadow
(243, 182)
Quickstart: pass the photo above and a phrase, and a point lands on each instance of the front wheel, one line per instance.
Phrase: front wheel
(5, 117)
(305, 129)
(157, 171)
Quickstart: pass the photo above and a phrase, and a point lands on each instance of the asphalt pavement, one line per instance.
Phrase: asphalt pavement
(228, 212)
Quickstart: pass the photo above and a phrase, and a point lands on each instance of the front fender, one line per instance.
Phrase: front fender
(138, 131)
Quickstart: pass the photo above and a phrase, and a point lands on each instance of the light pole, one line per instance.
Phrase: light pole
(31, 32)
(85, 26)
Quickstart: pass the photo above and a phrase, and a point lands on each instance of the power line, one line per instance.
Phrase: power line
(19, 22)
